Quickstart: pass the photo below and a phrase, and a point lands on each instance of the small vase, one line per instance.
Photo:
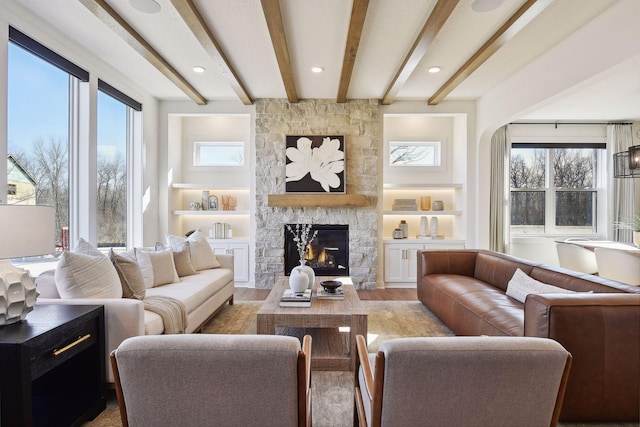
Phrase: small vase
(308, 271)
(298, 281)
(434, 227)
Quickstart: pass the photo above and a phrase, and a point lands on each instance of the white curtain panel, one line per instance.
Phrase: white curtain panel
(622, 197)
(499, 210)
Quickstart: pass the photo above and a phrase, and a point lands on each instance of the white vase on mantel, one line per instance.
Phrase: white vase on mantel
(298, 281)
(304, 268)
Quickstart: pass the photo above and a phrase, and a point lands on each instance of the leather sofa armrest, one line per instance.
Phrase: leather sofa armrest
(453, 261)
(225, 260)
(602, 332)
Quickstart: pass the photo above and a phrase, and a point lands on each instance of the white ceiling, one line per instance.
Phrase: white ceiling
(316, 32)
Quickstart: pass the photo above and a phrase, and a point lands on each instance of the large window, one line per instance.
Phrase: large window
(38, 133)
(554, 188)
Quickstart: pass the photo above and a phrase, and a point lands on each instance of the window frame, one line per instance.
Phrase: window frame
(197, 144)
(550, 190)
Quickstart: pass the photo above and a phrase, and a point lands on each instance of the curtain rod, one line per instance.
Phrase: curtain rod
(571, 123)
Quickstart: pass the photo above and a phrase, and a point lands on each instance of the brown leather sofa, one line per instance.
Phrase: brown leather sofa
(599, 324)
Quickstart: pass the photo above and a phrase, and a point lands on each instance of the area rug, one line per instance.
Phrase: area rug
(332, 391)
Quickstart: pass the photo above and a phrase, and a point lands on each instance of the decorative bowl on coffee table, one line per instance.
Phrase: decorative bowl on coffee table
(330, 286)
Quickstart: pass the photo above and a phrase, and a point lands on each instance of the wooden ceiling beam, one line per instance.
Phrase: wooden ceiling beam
(358, 15)
(196, 23)
(110, 17)
(272, 14)
(523, 16)
(432, 27)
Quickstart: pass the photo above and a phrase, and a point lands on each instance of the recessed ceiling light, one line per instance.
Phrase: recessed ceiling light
(485, 5)
(145, 6)
(434, 69)
(317, 69)
(198, 69)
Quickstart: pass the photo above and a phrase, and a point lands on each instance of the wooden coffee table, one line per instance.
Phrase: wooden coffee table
(332, 348)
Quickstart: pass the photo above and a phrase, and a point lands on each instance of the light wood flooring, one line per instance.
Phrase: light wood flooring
(395, 294)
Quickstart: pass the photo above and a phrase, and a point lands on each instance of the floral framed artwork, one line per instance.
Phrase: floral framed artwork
(315, 164)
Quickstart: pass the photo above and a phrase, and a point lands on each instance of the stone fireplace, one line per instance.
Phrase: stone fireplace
(360, 123)
(328, 253)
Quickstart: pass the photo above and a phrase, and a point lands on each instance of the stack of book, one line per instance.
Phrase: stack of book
(404, 205)
(220, 230)
(336, 294)
(291, 299)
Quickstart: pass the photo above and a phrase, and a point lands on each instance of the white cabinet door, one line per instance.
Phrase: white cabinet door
(240, 253)
(401, 262)
(394, 263)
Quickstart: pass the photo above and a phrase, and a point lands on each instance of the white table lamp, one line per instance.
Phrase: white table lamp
(25, 230)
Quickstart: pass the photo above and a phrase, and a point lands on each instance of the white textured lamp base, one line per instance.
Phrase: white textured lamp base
(17, 293)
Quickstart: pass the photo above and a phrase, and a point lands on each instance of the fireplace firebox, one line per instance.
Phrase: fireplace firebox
(328, 254)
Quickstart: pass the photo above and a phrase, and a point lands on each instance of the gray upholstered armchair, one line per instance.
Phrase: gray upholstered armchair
(222, 380)
(470, 381)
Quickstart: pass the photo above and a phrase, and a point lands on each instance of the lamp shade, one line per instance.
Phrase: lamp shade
(621, 167)
(26, 230)
(634, 157)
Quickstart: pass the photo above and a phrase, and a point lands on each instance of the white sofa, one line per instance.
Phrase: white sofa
(202, 294)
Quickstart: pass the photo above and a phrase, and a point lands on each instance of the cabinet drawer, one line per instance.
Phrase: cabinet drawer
(63, 343)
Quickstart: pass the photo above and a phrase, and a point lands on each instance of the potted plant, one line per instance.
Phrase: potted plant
(632, 224)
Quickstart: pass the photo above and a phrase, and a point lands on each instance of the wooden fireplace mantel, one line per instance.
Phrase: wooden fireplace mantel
(317, 200)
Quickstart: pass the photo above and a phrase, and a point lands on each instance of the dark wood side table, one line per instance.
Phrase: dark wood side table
(52, 367)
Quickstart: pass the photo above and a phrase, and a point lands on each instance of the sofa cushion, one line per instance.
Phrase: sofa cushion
(130, 275)
(85, 276)
(202, 256)
(522, 285)
(157, 267)
(86, 248)
(194, 290)
(181, 258)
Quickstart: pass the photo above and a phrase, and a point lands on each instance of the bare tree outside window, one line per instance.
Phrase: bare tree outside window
(569, 194)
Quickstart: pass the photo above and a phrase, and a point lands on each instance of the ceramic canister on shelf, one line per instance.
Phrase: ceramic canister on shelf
(437, 205)
(425, 203)
(434, 226)
(404, 227)
(205, 200)
(424, 227)
(397, 233)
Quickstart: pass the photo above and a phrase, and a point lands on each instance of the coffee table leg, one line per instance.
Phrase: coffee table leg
(358, 327)
(265, 325)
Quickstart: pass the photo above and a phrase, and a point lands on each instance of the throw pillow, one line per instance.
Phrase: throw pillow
(130, 275)
(157, 267)
(86, 248)
(181, 258)
(86, 276)
(202, 256)
(522, 285)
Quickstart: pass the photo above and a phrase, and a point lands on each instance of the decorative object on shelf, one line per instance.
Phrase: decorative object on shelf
(424, 226)
(233, 202)
(298, 281)
(220, 230)
(438, 205)
(404, 205)
(194, 206)
(405, 228)
(397, 233)
(425, 203)
(315, 164)
(330, 286)
(205, 200)
(434, 227)
(213, 203)
(29, 230)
